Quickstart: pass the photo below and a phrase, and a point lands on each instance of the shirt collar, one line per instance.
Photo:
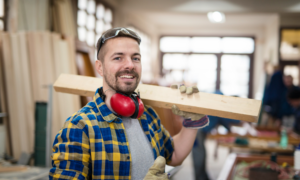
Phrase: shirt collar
(105, 112)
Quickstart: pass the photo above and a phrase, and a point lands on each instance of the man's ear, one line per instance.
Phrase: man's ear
(99, 67)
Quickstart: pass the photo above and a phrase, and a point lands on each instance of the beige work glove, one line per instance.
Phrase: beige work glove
(191, 120)
(157, 170)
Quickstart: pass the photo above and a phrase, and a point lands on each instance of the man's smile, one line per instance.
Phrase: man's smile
(127, 77)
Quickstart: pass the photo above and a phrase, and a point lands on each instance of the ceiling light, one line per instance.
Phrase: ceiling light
(216, 17)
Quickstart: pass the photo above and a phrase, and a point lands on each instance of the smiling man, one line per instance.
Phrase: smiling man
(116, 136)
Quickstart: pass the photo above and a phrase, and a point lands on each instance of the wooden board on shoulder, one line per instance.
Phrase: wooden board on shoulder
(203, 103)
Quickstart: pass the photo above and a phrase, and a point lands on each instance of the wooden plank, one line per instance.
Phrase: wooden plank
(56, 113)
(19, 101)
(5, 169)
(38, 66)
(289, 149)
(11, 92)
(3, 100)
(67, 104)
(41, 66)
(26, 90)
(33, 65)
(291, 139)
(164, 97)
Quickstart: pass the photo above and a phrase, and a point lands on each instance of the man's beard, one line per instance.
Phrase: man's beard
(113, 83)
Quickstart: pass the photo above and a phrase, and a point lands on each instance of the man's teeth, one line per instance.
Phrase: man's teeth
(126, 76)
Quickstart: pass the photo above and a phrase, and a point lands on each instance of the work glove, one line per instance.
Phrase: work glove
(191, 120)
(157, 170)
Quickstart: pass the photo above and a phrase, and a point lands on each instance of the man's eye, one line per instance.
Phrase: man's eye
(136, 59)
(117, 58)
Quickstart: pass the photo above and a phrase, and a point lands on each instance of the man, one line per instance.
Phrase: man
(98, 143)
(274, 101)
(294, 99)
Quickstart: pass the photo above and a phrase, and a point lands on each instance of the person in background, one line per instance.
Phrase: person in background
(275, 102)
(199, 151)
(294, 99)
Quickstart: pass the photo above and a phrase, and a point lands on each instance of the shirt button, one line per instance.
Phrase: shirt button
(122, 131)
(128, 157)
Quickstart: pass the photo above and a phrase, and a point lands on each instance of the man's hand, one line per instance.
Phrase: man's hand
(191, 120)
(157, 170)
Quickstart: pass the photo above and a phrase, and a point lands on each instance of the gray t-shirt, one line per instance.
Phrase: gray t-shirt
(140, 148)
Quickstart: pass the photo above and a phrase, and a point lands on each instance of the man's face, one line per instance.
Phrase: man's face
(295, 103)
(121, 67)
(288, 81)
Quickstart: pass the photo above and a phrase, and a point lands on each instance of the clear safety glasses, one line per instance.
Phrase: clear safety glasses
(115, 32)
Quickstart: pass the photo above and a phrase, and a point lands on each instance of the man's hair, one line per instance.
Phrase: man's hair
(102, 51)
(294, 94)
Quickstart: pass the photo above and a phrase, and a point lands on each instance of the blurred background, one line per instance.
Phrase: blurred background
(242, 48)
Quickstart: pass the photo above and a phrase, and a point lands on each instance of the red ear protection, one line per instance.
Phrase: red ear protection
(124, 105)
(127, 106)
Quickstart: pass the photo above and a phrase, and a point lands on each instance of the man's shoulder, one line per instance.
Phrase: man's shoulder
(149, 111)
(85, 116)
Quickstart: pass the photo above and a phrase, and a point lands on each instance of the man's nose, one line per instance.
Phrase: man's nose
(129, 63)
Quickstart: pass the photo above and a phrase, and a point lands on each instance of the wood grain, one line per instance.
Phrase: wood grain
(26, 92)
(3, 100)
(11, 92)
(164, 97)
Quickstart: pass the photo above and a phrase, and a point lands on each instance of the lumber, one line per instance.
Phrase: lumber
(204, 103)
(3, 100)
(19, 102)
(32, 65)
(26, 92)
(11, 91)
(63, 61)
(5, 169)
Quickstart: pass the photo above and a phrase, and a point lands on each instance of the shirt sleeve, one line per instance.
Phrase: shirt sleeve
(168, 144)
(71, 154)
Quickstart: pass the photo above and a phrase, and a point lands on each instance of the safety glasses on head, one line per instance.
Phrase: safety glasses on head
(115, 32)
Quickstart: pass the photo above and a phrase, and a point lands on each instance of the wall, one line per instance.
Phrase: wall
(291, 19)
(124, 19)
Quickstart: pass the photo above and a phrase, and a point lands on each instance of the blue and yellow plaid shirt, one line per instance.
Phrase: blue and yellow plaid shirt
(92, 144)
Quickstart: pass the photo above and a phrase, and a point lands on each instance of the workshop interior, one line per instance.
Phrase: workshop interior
(246, 51)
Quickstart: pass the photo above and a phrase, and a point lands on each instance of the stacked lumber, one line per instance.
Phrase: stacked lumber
(64, 17)
(33, 15)
(31, 62)
(3, 100)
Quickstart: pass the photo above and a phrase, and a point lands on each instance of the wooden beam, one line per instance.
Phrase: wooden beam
(164, 97)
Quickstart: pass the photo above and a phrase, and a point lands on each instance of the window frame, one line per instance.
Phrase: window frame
(106, 5)
(283, 63)
(219, 55)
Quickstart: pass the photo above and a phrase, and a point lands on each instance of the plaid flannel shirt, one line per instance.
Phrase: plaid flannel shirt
(92, 143)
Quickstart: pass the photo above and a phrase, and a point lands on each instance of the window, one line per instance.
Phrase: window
(289, 45)
(92, 20)
(213, 63)
(145, 48)
(292, 70)
(2, 13)
(289, 52)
